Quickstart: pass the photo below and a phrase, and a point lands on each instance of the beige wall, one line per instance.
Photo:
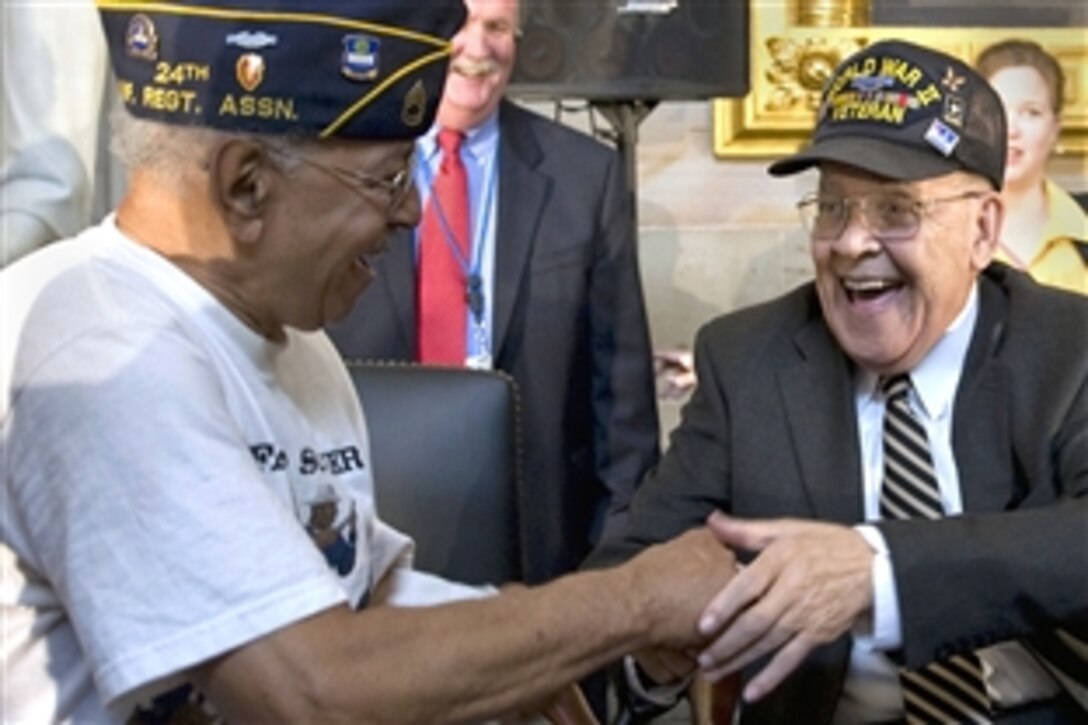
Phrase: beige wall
(716, 235)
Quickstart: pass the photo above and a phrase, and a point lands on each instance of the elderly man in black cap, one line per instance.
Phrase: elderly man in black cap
(169, 398)
(900, 447)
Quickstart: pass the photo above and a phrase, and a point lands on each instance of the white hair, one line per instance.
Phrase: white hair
(170, 151)
(166, 150)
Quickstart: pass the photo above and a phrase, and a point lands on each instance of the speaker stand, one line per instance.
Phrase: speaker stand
(624, 117)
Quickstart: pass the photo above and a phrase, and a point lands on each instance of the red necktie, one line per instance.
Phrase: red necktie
(444, 254)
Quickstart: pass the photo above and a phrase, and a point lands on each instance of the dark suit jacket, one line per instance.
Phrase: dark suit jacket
(771, 431)
(569, 326)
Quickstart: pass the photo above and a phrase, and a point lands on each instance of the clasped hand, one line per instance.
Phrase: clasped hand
(808, 584)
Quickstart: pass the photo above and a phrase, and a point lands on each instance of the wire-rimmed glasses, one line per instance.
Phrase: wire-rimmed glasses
(890, 217)
(395, 187)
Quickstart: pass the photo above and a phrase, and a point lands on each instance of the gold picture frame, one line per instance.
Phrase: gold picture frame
(790, 61)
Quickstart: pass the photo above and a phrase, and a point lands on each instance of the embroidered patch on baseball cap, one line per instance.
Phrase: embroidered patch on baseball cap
(906, 112)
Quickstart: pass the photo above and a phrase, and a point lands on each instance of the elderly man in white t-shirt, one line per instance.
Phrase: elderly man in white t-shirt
(166, 384)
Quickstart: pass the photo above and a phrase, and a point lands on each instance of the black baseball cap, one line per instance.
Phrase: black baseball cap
(906, 112)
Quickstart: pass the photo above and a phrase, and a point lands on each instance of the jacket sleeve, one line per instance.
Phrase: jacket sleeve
(625, 426)
(691, 481)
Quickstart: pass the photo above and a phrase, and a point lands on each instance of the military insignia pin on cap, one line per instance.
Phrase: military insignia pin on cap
(309, 68)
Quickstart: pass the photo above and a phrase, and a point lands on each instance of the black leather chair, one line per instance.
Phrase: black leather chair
(445, 444)
(446, 450)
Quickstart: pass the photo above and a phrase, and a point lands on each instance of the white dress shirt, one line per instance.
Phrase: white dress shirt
(872, 692)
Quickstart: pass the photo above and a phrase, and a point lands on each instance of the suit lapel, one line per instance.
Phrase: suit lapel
(981, 440)
(981, 432)
(817, 394)
(521, 194)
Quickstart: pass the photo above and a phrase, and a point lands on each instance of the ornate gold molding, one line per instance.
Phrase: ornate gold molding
(795, 47)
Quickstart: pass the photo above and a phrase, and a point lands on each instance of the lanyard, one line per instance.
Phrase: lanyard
(474, 287)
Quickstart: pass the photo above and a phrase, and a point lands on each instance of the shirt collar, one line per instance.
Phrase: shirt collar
(937, 376)
(1064, 217)
(480, 141)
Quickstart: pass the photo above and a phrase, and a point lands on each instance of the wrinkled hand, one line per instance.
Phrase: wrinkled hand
(675, 581)
(808, 585)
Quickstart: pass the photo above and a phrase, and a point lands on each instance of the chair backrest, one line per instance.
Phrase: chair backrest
(446, 451)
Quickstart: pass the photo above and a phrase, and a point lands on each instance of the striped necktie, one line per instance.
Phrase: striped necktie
(943, 691)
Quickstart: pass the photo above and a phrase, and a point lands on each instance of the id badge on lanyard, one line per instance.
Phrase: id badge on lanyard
(481, 358)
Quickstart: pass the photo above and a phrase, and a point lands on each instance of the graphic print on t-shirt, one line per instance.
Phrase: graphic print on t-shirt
(333, 529)
(324, 508)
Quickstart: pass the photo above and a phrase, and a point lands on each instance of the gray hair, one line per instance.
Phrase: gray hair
(171, 152)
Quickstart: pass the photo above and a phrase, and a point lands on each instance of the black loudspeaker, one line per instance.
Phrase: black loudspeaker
(613, 50)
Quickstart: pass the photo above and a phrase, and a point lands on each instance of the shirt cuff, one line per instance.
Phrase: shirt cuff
(883, 631)
(660, 695)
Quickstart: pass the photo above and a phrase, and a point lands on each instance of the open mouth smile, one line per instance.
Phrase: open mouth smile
(869, 289)
(473, 69)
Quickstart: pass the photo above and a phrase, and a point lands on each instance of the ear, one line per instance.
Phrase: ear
(241, 181)
(988, 223)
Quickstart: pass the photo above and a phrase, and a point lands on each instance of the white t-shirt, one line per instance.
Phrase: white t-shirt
(167, 473)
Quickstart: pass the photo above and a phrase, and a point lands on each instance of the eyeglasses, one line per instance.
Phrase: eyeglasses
(395, 187)
(888, 217)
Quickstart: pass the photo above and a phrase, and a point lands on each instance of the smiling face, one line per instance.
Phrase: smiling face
(1033, 123)
(887, 303)
(323, 231)
(483, 58)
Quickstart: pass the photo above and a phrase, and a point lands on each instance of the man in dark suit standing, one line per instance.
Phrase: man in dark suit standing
(910, 430)
(552, 269)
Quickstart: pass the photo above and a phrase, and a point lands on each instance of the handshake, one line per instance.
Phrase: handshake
(809, 582)
(679, 606)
